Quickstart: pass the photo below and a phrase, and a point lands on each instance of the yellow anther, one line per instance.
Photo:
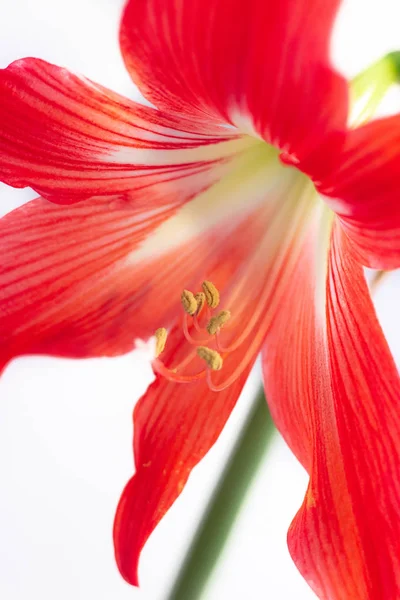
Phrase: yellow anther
(211, 294)
(189, 302)
(211, 357)
(200, 299)
(217, 322)
(161, 339)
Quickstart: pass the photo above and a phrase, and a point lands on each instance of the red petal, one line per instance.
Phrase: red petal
(257, 64)
(334, 392)
(71, 139)
(176, 424)
(70, 284)
(87, 279)
(365, 192)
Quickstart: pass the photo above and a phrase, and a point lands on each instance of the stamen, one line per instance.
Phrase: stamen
(211, 357)
(211, 294)
(222, 386)
(161, 339)
(215, 323)
(191, 339)
(172, 375)
(189, 302)
(200, 298)
(198, 307)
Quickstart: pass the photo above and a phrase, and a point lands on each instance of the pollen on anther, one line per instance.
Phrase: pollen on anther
(217, 322)
(211, 294)
(161, 339)
(189, 302)
(200, 298)
(211, 357)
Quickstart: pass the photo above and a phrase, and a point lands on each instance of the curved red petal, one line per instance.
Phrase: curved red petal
(71, 139)
(363, 190)
(72, 283)
(334, 390)
(263, 66)
(66, 286)
(175, 424)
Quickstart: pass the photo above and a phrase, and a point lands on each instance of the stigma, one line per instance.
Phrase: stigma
(202, 321)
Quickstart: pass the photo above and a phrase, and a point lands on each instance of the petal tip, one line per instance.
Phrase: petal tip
(127, 553)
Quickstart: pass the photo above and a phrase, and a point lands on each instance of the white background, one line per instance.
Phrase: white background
(65, 426)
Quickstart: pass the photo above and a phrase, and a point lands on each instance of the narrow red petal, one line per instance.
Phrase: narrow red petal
(334, 389)
(70, 283)
(364, 192)
(263, 66)
(176, 424)
(71, 139)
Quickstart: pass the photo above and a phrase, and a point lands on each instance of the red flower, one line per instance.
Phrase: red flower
(245, 176)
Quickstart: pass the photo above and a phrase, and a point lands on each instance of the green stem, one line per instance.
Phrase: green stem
(369, 87)
(394, 57)
(224, 506)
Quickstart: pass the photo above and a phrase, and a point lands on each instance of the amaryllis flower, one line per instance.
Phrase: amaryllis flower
(245, 195)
